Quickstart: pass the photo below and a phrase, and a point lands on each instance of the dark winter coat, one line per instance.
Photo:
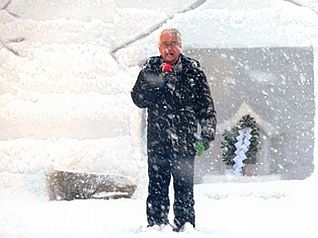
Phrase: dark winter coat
(176, 103)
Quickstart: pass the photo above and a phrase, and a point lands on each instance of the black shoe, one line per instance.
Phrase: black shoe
(180, 228)
(177, 229)
(160, 227)
(159, 224)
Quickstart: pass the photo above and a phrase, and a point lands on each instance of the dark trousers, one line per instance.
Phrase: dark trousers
(160, 170)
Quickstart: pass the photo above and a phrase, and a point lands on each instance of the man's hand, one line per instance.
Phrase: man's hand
(199, 147)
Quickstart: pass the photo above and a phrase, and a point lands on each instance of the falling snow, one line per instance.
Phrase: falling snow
(66, 70)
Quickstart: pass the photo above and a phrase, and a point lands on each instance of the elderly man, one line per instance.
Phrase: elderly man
(181, 123)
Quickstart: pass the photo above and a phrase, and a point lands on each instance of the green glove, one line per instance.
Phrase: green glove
(199, 147)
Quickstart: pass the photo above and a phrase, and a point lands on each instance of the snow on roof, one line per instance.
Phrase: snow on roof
(244, 109)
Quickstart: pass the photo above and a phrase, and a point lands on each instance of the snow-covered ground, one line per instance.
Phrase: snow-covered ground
(271, 209)
(66, 68)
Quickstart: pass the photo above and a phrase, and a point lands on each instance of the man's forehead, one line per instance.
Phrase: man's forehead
(168, 36)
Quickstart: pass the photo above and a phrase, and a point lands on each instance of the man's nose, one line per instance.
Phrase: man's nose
(170, 47)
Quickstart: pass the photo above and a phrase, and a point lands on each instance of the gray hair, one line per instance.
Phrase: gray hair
(173, 31)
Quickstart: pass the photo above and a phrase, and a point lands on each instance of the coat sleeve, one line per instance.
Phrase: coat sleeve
(205, 110)
(147, 89)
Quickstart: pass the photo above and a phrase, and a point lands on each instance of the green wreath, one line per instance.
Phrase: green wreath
(229, 140)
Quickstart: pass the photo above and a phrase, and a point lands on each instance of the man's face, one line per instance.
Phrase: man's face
(169, 47)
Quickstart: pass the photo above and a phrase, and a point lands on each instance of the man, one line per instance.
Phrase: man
(175, 91)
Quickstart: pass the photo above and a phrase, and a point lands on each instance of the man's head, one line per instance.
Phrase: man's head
(170, 45)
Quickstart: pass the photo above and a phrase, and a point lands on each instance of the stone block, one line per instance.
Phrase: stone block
(65, 185)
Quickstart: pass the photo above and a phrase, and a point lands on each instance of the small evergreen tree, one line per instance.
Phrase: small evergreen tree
(228, 147)
(229, 140)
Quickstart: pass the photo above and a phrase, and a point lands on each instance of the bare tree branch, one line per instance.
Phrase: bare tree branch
(6, 5)
(193, 6)
(16, 40)
(12, 50)
(301, 5)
